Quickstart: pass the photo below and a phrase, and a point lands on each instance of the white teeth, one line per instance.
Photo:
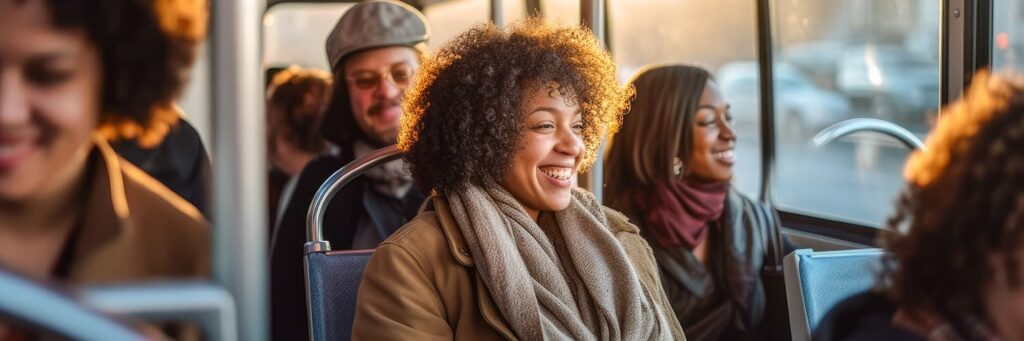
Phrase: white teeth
(558, 173)
(728, 154)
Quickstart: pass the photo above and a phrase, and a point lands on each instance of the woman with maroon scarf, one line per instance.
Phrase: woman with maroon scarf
(669, 169)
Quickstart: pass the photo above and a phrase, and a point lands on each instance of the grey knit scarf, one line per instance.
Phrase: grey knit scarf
(520, 267)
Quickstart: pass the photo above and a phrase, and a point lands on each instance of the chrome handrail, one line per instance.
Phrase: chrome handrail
(209, 304)
(48, 309)
(318, 207)
(851, 126)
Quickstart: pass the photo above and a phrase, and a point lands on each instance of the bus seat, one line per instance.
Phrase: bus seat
(817, 281)
(332, 277)
(333, 283)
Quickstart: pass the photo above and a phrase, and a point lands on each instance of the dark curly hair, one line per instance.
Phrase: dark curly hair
(298, 95)
(145, 47)
(463, 117)
(964, 203)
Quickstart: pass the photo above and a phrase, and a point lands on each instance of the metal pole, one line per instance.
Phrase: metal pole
(239, 211)
(497, 13)
(592, 16)
(953, 47)
(765, 60)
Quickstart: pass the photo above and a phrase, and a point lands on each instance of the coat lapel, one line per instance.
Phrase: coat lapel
(460, 251)
(107, 213)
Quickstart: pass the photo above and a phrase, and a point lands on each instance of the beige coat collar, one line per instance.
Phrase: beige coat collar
(107, 214)
(460, 250)
(456, 241)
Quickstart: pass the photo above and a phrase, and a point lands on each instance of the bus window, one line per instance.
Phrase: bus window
(718, 36)
(449, 18)
(839, 60)
(1008, 34)
(566, 12)
(294, 33)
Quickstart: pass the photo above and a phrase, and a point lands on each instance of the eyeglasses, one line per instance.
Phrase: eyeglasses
(367, 80)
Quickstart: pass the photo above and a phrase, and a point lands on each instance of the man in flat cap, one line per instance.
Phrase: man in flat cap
(373, 51)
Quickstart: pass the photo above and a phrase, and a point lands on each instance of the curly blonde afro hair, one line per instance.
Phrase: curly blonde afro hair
(463, 116)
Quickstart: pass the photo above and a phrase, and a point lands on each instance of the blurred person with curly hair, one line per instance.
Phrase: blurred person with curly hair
(67, 67)
(71, 209)
(498, 125)
(670, 170)
(295, 100)
(955, 254)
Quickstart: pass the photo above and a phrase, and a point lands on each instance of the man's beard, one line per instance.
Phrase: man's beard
(384, 139)
(389, 136)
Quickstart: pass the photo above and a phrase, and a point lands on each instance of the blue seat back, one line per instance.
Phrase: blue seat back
(332, 282)
(817, 281)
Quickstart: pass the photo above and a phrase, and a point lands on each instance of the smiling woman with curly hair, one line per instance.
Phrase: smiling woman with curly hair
(70, 208)
(498, 124)
(954, 262)
(476, 87)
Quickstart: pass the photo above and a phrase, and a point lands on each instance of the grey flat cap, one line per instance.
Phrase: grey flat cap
(375, 24)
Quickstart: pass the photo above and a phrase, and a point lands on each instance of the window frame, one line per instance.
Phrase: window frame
(975, 35)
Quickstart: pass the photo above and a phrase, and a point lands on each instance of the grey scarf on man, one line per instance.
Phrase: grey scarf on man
(520, 267)
(390, 178)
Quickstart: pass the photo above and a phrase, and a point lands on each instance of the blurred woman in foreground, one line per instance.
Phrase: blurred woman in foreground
(70, 208)
(955, 260)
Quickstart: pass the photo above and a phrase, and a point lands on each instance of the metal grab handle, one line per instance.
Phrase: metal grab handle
(850, 126)
(210, 305)
(45, 308)
(318, 207)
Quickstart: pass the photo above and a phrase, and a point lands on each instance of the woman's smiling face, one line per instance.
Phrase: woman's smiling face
(714, 139)
(50, 81)
(543, 171)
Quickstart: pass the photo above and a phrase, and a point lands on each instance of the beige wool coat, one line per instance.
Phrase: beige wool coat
(421, 283)
(136, 229)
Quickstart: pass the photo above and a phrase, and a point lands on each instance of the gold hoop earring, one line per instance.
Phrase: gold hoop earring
(677, 165)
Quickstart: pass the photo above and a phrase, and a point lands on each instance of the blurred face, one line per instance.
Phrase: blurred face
(1004, 302)
(713, 138)
(376, 81)
(49, 100)
(275, 127)
(544, 169)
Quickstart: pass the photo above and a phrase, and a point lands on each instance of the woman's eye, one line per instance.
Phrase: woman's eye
(544, 126)
(577, 127)
(45, 77)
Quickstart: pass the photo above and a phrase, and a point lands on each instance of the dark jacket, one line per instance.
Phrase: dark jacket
(350, 205)
(866, 316)
(180, 162)
(728, 299)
